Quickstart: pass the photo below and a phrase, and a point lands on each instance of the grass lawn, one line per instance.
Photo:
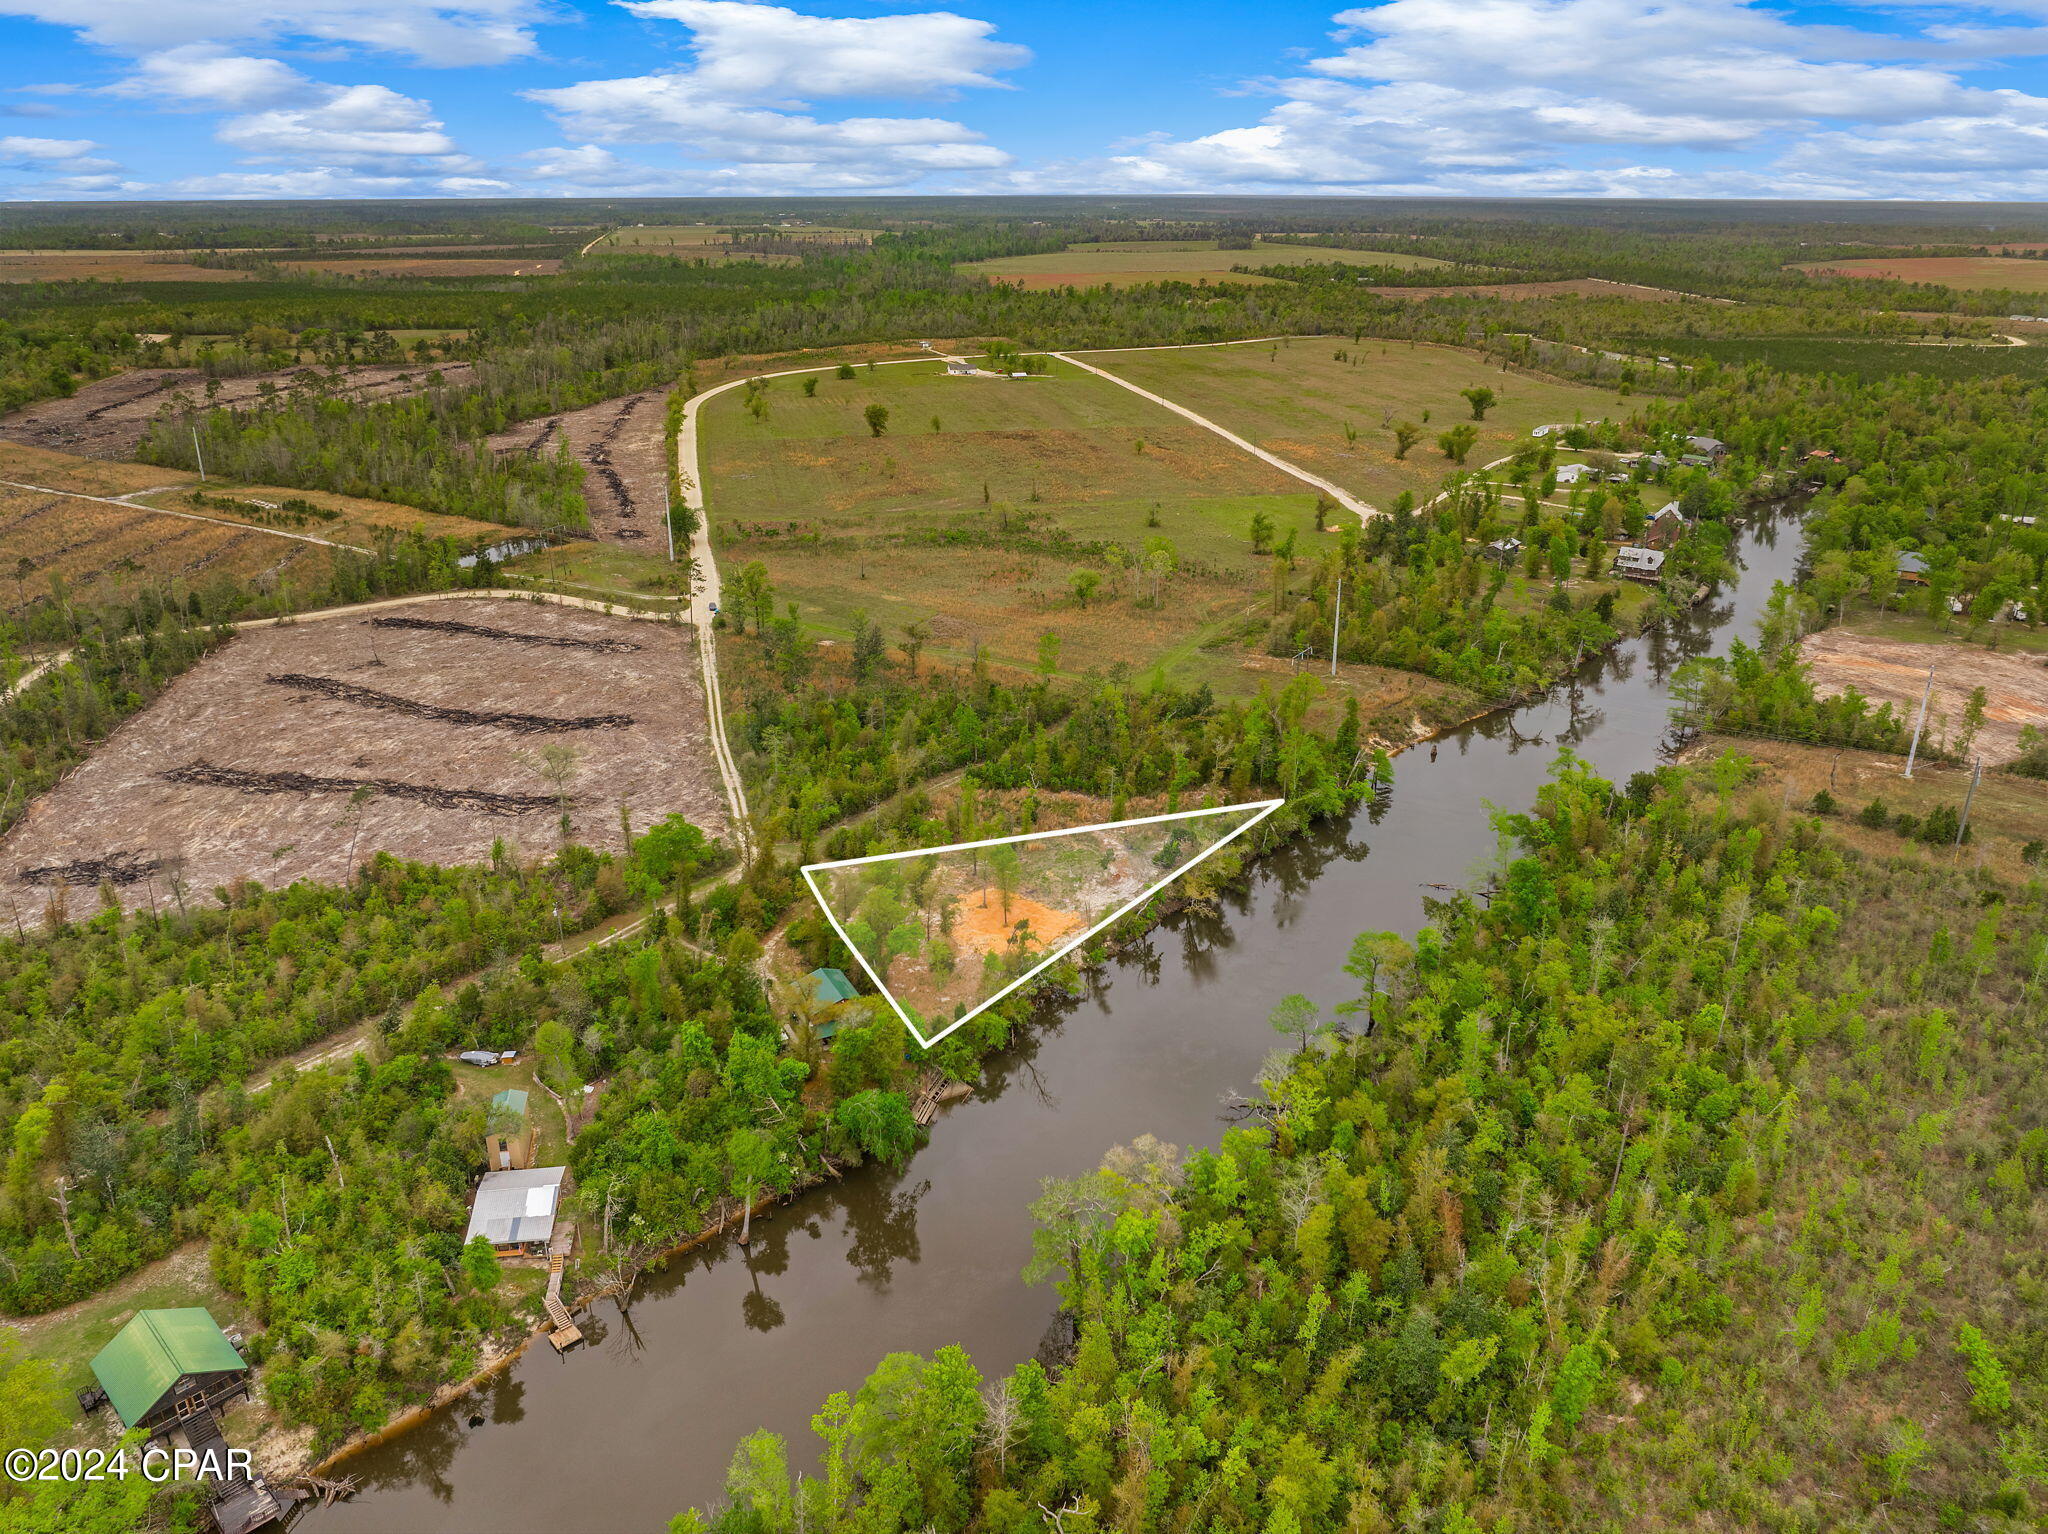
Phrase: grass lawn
(1125, 263)
(357, 521)
(479, 1084)
(1294, 398)
(584, 567)
(1918, 628)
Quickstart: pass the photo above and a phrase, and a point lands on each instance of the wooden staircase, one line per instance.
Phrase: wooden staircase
(566, 1334)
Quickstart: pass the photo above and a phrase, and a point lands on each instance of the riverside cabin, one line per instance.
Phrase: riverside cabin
(515, 1211)
(168, 1367)
(1639, 564)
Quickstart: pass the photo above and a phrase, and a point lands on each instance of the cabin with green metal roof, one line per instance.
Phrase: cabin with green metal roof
(829, 991)
(166, 1367)
(510, 1134)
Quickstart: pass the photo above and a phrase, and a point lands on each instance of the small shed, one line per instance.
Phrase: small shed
(1913, 569)
(1504, 551)
(166, 1367)
(1639, 564)
(509, 1133)
(515, 1211)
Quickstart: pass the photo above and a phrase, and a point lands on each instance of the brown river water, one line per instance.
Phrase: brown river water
(640, 1423)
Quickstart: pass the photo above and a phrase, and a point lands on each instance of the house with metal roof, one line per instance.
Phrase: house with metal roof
(1666, 527)
(166, 1367)
(829, 991)
(1572, 473)
(515, 1211)
(1913, 569)
(1639, 564)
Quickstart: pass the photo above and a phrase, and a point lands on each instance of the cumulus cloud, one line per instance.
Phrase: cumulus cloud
(741, 109)
(441, 32)
(764, 52)
(204, 74)
(355, 125)
(1586, 97)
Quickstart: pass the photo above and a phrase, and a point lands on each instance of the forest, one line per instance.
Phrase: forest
(1697, 1096)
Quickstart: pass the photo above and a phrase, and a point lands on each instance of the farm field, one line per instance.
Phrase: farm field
(1950, 271)
(1592, 287)
(251, 765)
(1294, 398)
(1892, 670)
(108, 266)
(108, 417)
(403, 265)
(1130, 262)
(707, 240)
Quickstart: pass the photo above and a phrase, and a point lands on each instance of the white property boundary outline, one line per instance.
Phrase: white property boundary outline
(1264, 807)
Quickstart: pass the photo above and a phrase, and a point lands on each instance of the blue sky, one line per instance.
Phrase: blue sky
(436, 98)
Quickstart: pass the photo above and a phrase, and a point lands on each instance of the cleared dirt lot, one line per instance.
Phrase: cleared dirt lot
(109, 266)
(107, 418)
(620, 445)
(1950, 271)
(179, 789)
(1894, 671)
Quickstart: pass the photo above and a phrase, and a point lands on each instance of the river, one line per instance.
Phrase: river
(640, 1423)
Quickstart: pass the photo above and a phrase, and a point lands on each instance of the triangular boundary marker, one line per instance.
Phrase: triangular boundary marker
(1264, 807)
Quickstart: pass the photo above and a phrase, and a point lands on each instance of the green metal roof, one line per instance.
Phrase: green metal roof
(145, 1359)
(512, 1100)
(830, 986)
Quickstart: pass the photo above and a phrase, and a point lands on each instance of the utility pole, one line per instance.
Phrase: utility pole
(1920, 723)
(198, 453)
(668, 521)
(1976, 777)
(1336, 623)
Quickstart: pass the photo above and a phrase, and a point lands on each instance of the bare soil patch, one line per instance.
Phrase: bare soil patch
(234, 775)
(1950, 271)
(401, 266)
(1895, 672)
(986, 921)
(107, 418)
(620, 443)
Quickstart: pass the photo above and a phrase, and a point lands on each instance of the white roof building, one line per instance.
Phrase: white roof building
(1634, 561)
(516, 1208)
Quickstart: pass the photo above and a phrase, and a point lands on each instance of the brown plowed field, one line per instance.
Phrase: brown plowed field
(620, 445)
(227, 714)
(1895, 671)
(1950, 271)
(1590, 286)
(107, 418)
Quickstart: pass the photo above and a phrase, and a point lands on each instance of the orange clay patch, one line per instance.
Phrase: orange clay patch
(982, 926)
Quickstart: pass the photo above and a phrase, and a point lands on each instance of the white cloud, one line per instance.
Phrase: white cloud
(204, 74)
(356, 125)
(441, 32)
(17, 150)
(740, 111)
(763, 53)
(1596, 97)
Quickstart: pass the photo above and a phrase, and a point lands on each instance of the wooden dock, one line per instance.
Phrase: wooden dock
(565, 1334)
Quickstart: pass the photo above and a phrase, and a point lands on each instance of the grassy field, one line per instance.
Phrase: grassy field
(1295, 398)
(705, 239)
(587, 568)
(108, 266)
(2008, 812)
(1918, 628)
(898, 526)
(2003, 272)
(1127, 263)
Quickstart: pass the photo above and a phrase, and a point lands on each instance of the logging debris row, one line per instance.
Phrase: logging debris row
(205, 773)
(519, 724)
(115, 868)
(480, 631)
